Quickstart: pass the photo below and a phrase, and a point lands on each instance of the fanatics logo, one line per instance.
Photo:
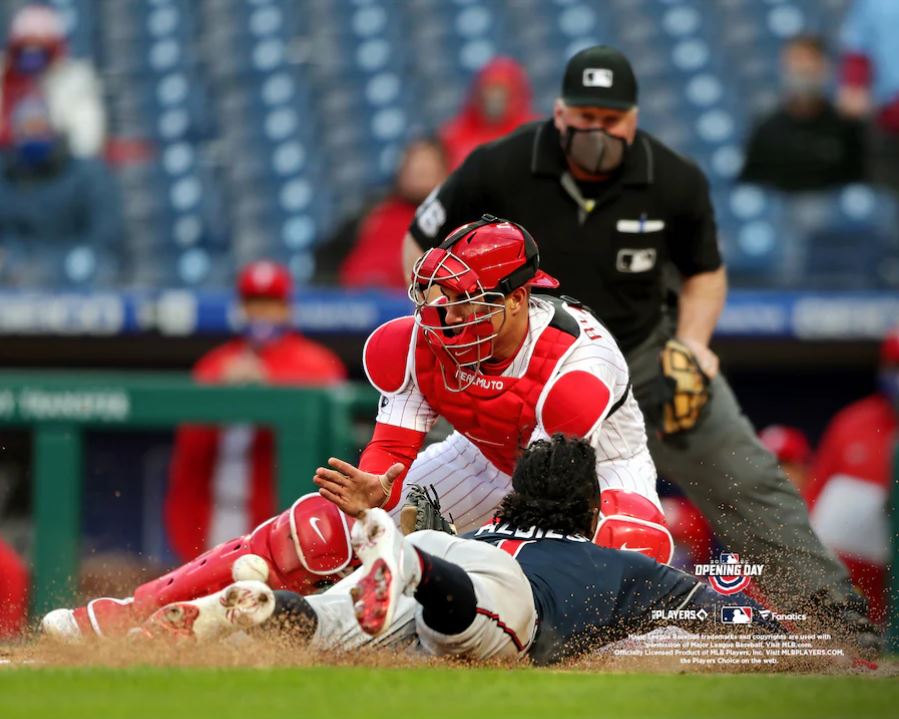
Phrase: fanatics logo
(597, 77)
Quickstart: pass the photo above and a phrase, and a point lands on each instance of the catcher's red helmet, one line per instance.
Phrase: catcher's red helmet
(481, 262)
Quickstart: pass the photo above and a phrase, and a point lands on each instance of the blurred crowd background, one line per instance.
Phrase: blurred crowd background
(162, 148)
(235, 129)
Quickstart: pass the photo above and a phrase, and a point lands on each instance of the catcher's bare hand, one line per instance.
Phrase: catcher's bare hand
(352, 489)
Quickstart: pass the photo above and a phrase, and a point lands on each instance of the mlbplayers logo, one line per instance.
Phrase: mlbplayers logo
(736, 615)
(597, 77)
(729, 575)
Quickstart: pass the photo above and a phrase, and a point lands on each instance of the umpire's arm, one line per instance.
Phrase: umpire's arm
(694, 251)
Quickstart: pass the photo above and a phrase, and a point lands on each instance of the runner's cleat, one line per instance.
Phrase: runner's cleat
(391, 567)
(242, 605)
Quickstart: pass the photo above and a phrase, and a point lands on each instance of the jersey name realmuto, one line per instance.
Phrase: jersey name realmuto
(622, 456)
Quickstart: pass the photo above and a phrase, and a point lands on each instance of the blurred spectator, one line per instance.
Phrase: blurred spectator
(37, 62)
(805, 144)
(793, 452)
(363, 252)
(851, 480)
(498, 102)
(221, 482)
(13, 593)
(50, 201)
(870, 80)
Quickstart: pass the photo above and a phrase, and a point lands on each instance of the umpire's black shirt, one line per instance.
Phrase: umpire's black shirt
(607, 243)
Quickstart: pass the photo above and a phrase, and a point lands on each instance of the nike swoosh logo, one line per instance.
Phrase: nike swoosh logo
(625, 548)
(313, 522)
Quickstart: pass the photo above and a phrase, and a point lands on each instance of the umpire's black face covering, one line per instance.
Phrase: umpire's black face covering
(593, 150)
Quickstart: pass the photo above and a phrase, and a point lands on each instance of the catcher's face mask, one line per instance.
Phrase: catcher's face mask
(456, 314)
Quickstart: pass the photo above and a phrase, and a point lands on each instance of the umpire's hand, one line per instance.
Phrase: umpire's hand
(706, 359)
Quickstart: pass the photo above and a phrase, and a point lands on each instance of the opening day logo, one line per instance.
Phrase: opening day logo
(729, 575)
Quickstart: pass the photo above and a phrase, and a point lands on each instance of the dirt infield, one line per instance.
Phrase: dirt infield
(242, 651)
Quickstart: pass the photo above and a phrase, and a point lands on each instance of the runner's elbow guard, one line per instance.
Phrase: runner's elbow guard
(631, 522)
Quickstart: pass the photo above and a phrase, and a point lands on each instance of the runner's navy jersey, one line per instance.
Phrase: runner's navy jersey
(586, 595)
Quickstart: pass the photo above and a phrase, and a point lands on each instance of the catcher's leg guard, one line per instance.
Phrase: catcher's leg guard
(303, 547)
(633, 523)
(299, 549)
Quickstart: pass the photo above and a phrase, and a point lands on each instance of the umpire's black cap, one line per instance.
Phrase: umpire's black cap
(599, 76)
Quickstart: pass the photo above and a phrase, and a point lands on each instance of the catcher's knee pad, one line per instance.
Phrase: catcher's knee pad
(300, 549)
(307, 544)
(633, 523)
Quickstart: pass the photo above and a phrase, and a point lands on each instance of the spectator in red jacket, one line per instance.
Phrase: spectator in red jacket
(376, 238)
(221, 481)
(793, 452)
(851, 479)
(498, 102)
(13, 593)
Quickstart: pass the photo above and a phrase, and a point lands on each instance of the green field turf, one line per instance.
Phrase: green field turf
(429, 693)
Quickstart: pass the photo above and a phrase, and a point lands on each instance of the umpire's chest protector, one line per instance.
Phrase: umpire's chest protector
(497, 414)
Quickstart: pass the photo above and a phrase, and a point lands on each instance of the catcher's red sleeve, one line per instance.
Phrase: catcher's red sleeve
(391, 444)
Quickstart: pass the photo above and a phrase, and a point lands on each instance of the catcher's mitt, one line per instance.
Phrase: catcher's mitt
(682, 390)
(422, 511)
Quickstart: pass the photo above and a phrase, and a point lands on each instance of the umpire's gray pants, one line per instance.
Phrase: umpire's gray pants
(737, 484)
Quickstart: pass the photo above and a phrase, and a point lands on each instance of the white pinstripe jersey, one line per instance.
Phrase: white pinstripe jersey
(622, 457)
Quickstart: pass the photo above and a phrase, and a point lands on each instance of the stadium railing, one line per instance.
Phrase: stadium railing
(310, 425)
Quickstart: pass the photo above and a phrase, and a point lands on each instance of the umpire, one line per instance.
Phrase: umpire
(613, 210)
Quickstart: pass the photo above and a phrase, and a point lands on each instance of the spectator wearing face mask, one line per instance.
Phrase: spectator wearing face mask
(221, 481)
(372, 243)
(852, 477)
(51, 203)
(499, 102)
(36, 61)
(805, 144)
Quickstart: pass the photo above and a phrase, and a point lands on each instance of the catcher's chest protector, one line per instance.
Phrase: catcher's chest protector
(498, 414)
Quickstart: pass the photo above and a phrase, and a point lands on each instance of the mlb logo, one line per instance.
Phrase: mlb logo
(729, 558)
(634, 260)
(736, 615)
(597, 77)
